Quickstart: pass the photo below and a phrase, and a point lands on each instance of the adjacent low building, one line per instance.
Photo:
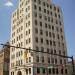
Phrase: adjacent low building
(71, 68)
(4, 60)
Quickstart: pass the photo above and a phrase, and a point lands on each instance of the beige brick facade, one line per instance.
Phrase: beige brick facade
(38, 25)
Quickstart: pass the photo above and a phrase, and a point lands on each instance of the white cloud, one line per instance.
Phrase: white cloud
(8, 3)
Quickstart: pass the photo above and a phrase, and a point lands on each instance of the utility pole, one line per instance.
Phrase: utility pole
(47, 53)
(73, 65)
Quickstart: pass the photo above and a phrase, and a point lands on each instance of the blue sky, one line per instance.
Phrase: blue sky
(68, 8)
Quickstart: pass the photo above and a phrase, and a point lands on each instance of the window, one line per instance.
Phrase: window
(46, 33)
(34, 0)
(57, 29)
(41, 24)
(26, 71)
(55, 61)
(28, 7)
(29, 59)
(40, 16)
(17, 40)
(53, 35)
(45, 17)
(28, 15)
(55, 15)
(26, 41)
(54, 51)
(61, 71)
(29, 70)
(60, 29)
(37, 48)
(52, 20)
(39, 8)
(21, 62)
(62, 37)
(52, 27)
(44, 70)
(37, 58)
(38, 70)
(35, 22)
(48, 59)
(54, 43)
(39, 1)
(35, 14)
(48, 19)
(48, 50)
(44, 4)
(59, 44)
(51, 13)
(47, 42)
(21, 44)
(54, 8)
(63, 45)
(49, 70)
(26, 32)
(26, 60)
(35, 7)
(21, 35)
(42, 59)
(29, 31)
(50, 6)
(56, 21)
(59, 16)
(60, 61)
(36, 39)
(66, 71)
(48, 12)
(45, 25)
(53, 70)
(42, 49)
(28, 22)
(58, 36)
(41, 32)
(21, 52)
(58, 10)
(52, 60)
(56, 70)
(50, 34)
(60, 52)
(50, 42)
(63, 52)
(47, 5)
(64, 61)
(44, 10)
(29, 40)
(41, 40)
(36, 30)
(12, 73)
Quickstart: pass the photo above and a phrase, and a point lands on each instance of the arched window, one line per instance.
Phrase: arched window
(19, 73)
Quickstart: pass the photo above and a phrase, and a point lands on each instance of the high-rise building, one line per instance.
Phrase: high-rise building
(38, 25)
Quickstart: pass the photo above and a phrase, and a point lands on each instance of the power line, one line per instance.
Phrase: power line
(46, 53)
(36, 51)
